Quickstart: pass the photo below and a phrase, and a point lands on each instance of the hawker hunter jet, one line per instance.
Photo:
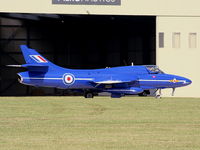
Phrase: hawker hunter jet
(118, 81)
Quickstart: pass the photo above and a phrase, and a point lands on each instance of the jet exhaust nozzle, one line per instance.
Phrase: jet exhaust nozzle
(20, 79)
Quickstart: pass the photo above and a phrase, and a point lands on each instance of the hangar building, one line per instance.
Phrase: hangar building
(102, 33)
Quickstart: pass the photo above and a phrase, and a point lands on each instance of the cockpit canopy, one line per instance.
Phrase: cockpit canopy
(153, 69)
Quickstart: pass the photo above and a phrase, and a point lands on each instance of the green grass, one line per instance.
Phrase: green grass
(75, 123)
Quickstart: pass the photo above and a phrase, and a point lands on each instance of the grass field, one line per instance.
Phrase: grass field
(75, 123)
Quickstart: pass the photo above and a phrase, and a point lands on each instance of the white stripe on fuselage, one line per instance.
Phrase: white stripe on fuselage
(90, 79)
(160, 80)
(86, 79)
(43, 78)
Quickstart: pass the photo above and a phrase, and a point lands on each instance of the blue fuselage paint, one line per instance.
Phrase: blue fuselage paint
(83, 79)
(117, 80)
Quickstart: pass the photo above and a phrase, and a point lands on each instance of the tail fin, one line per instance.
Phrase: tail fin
(33, 57)
(35, 61)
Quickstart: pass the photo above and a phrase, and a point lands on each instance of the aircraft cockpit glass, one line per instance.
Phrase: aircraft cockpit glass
(154, 69)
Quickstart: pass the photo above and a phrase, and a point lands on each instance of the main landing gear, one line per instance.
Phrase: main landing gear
(145, 93)
(88, 94)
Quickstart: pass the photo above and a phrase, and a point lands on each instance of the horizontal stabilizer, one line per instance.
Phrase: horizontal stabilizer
(14, 66)
(32, 67)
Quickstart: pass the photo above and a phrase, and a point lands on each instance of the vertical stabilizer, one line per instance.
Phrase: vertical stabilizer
(31, 56)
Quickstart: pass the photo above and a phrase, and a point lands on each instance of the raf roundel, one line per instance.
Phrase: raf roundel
(68, 78)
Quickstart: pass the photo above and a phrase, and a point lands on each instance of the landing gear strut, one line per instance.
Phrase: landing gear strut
(173, 91)
(159, 94)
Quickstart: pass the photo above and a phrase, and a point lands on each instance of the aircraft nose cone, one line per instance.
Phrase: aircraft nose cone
(181, 81)
(187, 81)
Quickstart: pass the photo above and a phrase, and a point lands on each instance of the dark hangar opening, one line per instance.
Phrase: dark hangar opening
(76, 41)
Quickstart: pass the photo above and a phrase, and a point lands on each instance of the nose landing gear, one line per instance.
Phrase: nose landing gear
(158, 96)
(160, 93)
(173, 91)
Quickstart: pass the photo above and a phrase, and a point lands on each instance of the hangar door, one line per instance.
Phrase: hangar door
(74, 41)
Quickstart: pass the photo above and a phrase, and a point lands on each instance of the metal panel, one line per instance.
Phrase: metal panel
(87, 2)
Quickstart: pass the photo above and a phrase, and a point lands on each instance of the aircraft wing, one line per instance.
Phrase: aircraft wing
(115, 79)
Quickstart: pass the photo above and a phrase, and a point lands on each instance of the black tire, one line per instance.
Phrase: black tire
(89, 95)
(158, 96)
(145, 93)
(142, 94)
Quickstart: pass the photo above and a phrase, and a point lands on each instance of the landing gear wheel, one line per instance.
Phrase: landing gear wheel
(158, 96)
(145, 93)
(88, 95)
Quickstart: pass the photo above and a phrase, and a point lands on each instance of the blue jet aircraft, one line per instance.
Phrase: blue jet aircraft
(118, 81)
